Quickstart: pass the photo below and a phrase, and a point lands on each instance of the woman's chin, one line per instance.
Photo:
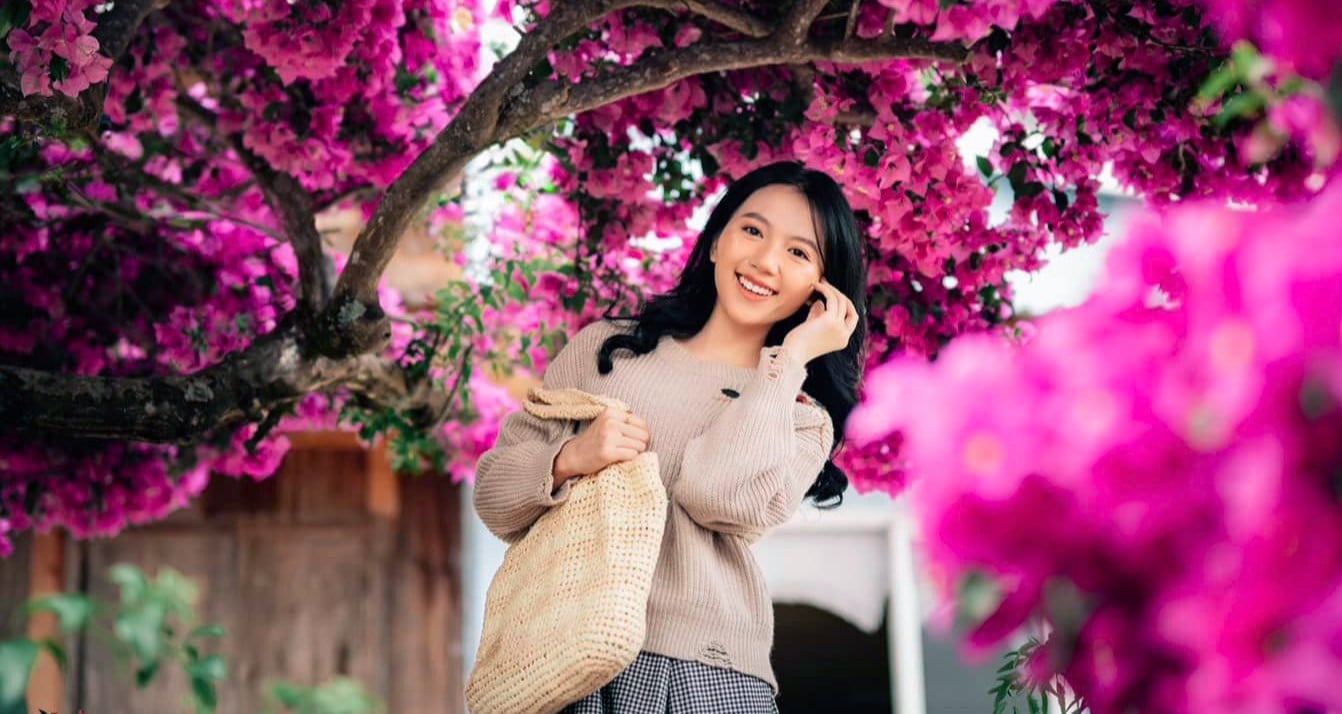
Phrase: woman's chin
(751, 316)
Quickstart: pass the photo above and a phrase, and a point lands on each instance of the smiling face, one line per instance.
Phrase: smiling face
(767, 258)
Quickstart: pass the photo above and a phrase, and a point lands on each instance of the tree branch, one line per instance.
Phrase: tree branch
(77, 115)
(117, 27)
(503, 107)
(661, 68)
(293, 204)
(794, 29)
(730, 17)
(304, 356)
(471, 131)
(270, 373)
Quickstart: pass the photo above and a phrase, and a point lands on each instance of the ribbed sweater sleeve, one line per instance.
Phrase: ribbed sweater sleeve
(514, 481)
(751, 469)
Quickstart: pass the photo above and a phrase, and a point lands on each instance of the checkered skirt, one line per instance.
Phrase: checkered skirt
(655, 684)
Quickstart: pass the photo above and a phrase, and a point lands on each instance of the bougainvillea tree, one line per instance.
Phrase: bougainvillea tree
(1156, 475)
(1158, 472)
(168, 308)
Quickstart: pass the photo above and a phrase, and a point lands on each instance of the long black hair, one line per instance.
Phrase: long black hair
(833, 379)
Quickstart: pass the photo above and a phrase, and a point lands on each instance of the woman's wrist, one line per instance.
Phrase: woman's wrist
(560, 470)
(797, 351)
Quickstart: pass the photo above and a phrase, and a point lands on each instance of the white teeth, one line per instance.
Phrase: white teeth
(757, 289)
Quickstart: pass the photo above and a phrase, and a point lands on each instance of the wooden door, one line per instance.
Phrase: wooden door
(332, 567)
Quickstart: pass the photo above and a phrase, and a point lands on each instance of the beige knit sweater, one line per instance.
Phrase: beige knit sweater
(733, 468)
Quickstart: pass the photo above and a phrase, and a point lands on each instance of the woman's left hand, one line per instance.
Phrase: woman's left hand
(828, 326)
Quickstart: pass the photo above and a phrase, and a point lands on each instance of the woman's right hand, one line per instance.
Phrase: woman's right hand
(612, 437)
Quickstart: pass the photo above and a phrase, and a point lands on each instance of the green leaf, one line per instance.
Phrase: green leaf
(1030, 190)
(141, 629)
(286, 695)
(1050, 148)
(1017, 175)
(985, 166)
(176, 591)
(213, 668)
(60, 68)
(206, 631)
(13, 14)
(917, 312)
(145, 674)
(1245, 57)
(1218, 83)
(1060, 199)
(16, 666)
(207, 697)
(131, 579)
(56, 651)
(73, 611)
(1241, 105)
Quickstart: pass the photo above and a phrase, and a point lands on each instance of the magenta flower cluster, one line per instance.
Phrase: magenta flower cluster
(58, 40)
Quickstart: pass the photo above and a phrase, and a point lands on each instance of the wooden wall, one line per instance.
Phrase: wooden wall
(334, 566)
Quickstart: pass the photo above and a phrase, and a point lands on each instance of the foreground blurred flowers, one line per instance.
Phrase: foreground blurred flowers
(1158, 473)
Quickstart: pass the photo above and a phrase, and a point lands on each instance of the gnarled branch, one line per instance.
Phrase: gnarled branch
(661, 68)
(307, 355)
(272, 372)
(296, 210)
(794, 29)
(729, 17)
(487, 118)
(293, 204)
(851, 24)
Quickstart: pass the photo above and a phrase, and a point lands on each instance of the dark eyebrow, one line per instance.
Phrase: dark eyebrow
(809, 241)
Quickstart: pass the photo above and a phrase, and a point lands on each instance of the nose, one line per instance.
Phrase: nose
(766, 258)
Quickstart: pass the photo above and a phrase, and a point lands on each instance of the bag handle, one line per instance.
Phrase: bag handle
(566, 404)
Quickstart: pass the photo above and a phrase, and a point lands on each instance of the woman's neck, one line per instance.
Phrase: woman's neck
(722, 340)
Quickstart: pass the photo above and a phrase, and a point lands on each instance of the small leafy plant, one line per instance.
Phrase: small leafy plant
(1014, 684)
(153, 626)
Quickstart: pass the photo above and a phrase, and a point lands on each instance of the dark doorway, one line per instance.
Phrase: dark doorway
(824, 664)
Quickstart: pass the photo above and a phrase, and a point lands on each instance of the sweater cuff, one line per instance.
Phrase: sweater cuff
(783, 371)
(548, 495)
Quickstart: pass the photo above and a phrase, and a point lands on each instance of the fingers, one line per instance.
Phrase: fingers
(636, 434)
(836, 303)
(826, 305)
(850, 320)
(636, 420)
(627, 430)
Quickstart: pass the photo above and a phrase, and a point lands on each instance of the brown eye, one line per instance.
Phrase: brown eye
(801, 254)
(752, 230)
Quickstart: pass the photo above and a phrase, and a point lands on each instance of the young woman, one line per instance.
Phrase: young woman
(740, 379)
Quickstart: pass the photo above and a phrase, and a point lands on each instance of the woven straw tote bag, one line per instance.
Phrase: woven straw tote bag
(565, 612)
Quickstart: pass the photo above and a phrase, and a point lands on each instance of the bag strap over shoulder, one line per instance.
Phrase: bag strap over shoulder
(572, 404)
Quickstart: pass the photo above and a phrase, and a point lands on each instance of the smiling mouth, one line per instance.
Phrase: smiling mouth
(753, 288)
